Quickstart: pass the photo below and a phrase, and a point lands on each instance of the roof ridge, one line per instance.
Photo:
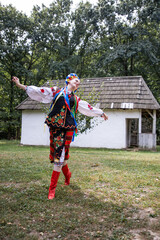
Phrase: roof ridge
(119, 77)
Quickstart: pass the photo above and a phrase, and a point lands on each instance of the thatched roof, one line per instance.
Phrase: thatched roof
(113, 93)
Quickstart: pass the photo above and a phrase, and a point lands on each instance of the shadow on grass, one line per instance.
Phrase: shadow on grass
(28, 214)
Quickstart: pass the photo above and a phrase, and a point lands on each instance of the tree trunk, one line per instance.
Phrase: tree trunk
(131, 68)
(10, 128)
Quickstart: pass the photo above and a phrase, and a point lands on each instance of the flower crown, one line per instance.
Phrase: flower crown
(70, 77)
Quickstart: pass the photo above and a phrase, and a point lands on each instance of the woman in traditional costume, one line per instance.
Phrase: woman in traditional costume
(61, 121)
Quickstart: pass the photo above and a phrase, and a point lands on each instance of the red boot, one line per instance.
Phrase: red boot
(67, 174)
(53, 184)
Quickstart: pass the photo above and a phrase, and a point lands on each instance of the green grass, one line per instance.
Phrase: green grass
(113, 195)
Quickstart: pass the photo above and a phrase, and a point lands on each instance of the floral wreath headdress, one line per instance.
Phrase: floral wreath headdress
(70, 77)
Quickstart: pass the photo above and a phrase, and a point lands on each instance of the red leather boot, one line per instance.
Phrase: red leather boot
(67, 174)
(53, 184)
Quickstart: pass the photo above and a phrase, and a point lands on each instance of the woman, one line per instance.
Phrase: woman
(61, 121)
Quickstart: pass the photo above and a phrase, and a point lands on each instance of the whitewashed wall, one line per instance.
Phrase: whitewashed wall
(33, 130)
(106, 134)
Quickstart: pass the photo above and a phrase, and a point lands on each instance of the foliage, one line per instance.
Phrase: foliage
(14, 48)
(112, 38)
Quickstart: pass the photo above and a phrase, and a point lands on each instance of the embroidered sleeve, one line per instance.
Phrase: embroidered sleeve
(41, 94)
(86, 109)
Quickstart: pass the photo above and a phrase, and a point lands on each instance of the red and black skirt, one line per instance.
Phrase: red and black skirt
(59, 138)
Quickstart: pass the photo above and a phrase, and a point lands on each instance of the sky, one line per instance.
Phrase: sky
(27, 5)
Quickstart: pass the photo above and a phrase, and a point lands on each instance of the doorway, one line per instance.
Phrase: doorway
(132, 132)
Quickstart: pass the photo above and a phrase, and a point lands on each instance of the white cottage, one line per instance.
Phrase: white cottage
(128, 102)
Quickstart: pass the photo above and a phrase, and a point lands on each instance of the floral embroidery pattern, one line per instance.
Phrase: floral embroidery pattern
(42, 90)
(58, 141)
(59, 117)
(53, 91)
(90, 107)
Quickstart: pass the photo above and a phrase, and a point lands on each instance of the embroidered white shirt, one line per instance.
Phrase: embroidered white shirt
(46, 95)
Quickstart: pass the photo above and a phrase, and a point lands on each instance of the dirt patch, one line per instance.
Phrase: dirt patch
(150, 232)
(144, 234)
(18, 185)
(143, 213)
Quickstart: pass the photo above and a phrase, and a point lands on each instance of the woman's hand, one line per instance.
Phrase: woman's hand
(104, 116)
(18, 84)
(16, 80)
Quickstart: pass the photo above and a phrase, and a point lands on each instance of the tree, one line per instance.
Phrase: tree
(111, 39)
(13, 49)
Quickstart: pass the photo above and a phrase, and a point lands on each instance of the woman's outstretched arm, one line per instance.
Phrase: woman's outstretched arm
(40, 94)
(86, 109)
(18, 84)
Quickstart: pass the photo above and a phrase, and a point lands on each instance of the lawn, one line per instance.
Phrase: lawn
(113, 195)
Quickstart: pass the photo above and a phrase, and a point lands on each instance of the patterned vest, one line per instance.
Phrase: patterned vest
(60, 116)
